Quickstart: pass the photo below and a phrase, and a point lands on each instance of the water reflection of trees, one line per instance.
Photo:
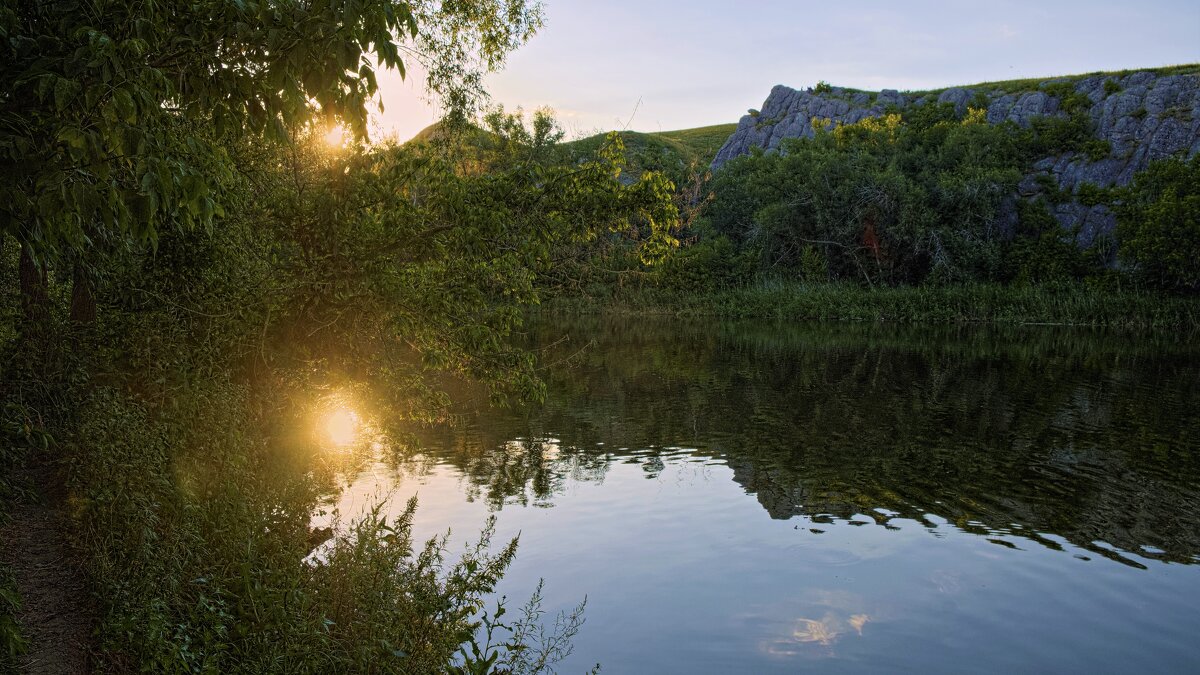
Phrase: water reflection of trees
(525, 470)
(1026, 433)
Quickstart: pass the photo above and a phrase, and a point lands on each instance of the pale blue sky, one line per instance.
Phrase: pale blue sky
(706, 62)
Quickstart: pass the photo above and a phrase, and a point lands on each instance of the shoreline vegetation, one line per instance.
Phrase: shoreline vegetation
(1068, 305)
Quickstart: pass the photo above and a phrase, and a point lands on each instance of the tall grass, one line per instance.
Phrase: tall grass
(1070, 304)
(12, 642)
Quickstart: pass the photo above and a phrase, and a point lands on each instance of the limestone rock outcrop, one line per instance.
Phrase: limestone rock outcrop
(1144, 116)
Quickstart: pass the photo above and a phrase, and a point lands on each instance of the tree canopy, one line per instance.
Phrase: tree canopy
(115, 114)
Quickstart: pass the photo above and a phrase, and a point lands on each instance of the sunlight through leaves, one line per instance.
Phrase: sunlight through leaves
(342, 426)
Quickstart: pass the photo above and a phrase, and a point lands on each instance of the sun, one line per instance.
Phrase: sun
(335, 137)
(342, 426)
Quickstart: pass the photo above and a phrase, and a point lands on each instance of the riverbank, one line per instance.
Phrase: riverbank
(1074, 304)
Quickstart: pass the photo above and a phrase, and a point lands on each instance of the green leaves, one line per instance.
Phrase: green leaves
(95, 91)
(1158, 224)
(902, 198)
(64, 91)
(73, 137)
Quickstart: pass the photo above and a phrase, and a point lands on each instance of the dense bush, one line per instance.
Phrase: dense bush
(1043, 252)
(926, 195)
(896, 199)
(1158, 225)
(710, 264)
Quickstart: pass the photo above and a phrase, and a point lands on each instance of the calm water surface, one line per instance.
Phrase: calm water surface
(756, 498)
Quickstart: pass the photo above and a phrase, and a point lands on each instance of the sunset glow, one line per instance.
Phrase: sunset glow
(335, 137)
(342, 426)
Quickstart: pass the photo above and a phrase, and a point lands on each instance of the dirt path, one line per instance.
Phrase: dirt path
(56, 613)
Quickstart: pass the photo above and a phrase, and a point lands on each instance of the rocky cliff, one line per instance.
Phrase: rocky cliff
(1143, 116)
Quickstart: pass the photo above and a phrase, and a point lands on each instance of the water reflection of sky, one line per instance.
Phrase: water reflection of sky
(684, 573)
(989, 512)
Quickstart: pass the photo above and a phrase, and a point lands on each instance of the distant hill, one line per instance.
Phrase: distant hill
(437, 130)
(671, 152)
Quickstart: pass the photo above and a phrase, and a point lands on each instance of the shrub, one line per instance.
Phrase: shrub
(1070, 100)
(1158, 224)
(707, 265)
(1043, 252)
(1090, 194)
(891, 199)
(813, 266)
(1096, 149)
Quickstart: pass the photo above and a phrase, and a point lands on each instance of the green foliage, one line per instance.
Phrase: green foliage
(1034, 83)
(1065, 304)
(1111, 87)
(701, 143)
(117, 115)
(528, 649)
(813, 266)
(1048, 136)
(1044, 253)
(671, 153)
(1069, 98)
(1055, 135)
(450, 258)
(710, 264)
(914, 196)
(822, 87)
(12, 641)
(108, 98)
(1090, 194)
(197, 535)
(175, 415)
(896, 199)
(1096, 149)
(1158, 224)
(1050, 188)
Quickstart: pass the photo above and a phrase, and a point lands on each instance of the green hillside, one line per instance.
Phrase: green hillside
(672, 152)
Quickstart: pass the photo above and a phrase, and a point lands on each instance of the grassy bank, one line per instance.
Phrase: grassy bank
(1065, 305)
(12, 642)
(12, 639)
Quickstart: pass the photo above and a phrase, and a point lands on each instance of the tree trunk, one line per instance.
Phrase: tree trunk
(83, 296)
(35, 300)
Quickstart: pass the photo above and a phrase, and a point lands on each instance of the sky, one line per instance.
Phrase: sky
(659, 65)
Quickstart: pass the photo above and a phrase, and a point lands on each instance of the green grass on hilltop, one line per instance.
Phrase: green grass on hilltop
(671, 152)
(1033, 83)
(438, 132)
(702, 142)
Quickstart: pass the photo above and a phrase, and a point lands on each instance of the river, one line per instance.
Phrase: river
(762, 498)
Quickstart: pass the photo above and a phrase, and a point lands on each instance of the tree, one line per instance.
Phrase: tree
(115, 114)
(1158, 224)
(411, 258)
(895, 199)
